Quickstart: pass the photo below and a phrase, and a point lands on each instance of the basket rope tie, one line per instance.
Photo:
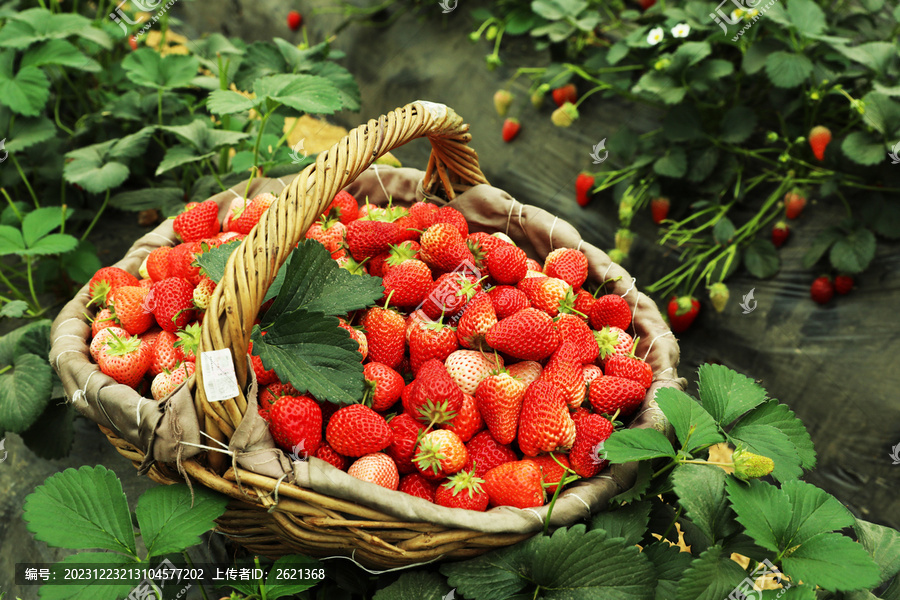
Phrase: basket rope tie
(607, 270)
(71, 335)
(586, 505)
(169, 241)
(79, 319)
(650, 347)
(352, 559)
(236, 194)
(534, 512)
(552, 227)
(519, 217)
(147, 250)
(376, 170)
(80, 393)
(578, 247)
(274, 492)
(512, 207)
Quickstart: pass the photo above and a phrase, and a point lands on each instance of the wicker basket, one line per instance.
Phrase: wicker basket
(272, 516)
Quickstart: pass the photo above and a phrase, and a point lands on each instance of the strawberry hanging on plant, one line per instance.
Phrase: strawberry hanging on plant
(780, 233)
(566, 93)
(794, 203)
(294, 20)
(822, 290)
(584, 183)
(502, 100)
(510, 129)
(659, 209)
(819, 138)
(682, 312)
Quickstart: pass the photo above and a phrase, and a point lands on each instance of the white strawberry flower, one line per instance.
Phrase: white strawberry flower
(681, 30)
(655, 36)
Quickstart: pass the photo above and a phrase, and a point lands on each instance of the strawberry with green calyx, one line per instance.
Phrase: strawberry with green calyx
(183, 262)
(468, 420)
(356, 430)
(102, 320)
(565, 115)
(529, 334)
(718, 295)
(548, 294)
(502, 100)
(499, 400)
(440, 453)
(130, 308)
(165, 356)
(611, 341)
(544, 421)
(408, 283)
(443, 248)
(172, 303)
(377, 468)
(406, 432)
(197, 222)
(107, 279)
(573, 330)
(343, 206)
(330, 233)
(188, 341)
(584, 183)
(822, 290)
(517, 484)
(270, 394)
(553, 466)
(383, 386)
(99, 340)
(630, 367)
(166, 382)
(416, 484)
(386, 335)
(399, 254)
(462, 490)
(819, 138)
(565, 93)
(794, 203)
(508, 300)
(477, 319)
(354, 267)
(435, 398)
(586, 456)
(429, 341)
(450, 294)
(125, 359)
(510, 129)
(369, 237)
(423, 213)
(682, 311)
(659, 209)
(485, 453)
(568, 264)
(780, 233)
(467, 368)
(610, 310)
(296, 424)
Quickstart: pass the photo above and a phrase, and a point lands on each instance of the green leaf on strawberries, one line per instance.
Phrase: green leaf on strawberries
(628, 522)
(820, 246)
(761, 259)
(832, 561)
(864, 148)
(172, 517)
(149, 68)
(701, 492)
(781, 417)
(768, 440)
(637, 444)
(853, 252)
(737, 125)
(641, 484)
(86, 589)
(27, 379)
(24, 92)
(882, 544)
(416, 585)
(763, 510)
(806, 16)
(673, 164)
(670, 564)
(572, 563)
(788, 69)
(726, 394)
(711, 576)
(723, 231)
(693, 425)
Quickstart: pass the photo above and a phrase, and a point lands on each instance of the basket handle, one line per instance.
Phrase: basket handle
(252, 267)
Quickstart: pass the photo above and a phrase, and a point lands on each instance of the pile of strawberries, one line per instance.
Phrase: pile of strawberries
(491, 379)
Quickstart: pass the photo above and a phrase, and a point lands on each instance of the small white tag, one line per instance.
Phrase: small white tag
(219, 380)
(437, 111)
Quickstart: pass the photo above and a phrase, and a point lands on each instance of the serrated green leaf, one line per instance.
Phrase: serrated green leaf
(311, 352)
(882, 112)
(227, 102)
(343, 81)
(781, 417)
(628, 522)
(29, 131)
(11, 241)
(61, 53)
(788, 69)
(882, 544)
(204, 138)
(882, 215)
(519, 21)
(757, 54)
(711, 576)
(864, 148)
(305, 93)
(794, 592)
(314, 283)
(81, 263)
(131, 145)
(723, 231)
(661, 85)
(93, 169)
(148, 68)
(178, 155)
(689, 54)
(820, 246)
(771, 442)
(853, 252)
(37, 24)
(761, 258)
(33, 338)
(670, 564)
(55, 243)
(570, 564)
(763, 510)
(40, 222)
(737, 125)
(832, 561)
(693, 425)
(278, 589)
(673, 164)
(25, 92)
(172, 518)
(81, 509)
(416, 585)
(14, 309)
(814, 511)
(169, 199)
(627, 445)
(710, 71)
(89, 590)
(726, 394)
(806, 17)
(617, 52)
(24, 391)
(701, 491)
(874, 55)
(641, 484)
(702, 162)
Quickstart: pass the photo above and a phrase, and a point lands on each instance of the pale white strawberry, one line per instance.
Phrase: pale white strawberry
(165, 383)
(526, 371)
(104, 334)
(591, 372)
(468, 367)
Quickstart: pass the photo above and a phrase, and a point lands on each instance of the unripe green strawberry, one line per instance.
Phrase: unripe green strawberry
(203, 292)
(750, 466)
(718, 295)
(624, 239)
(502, 100)
(565, 115)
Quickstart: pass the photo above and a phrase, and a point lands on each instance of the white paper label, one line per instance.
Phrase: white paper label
(219, 380)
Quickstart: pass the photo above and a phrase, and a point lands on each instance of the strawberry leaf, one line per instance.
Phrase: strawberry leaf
(637, 444)
(854, 252)
(628, 522)
(694, 426)
(832, 561)
(727, 394)
(761, 259)
(87, 589)
(782, 418)
(711, 576)
(670, 565)
(701, 491)
(882, 544)
(172, 517)
(417, 585)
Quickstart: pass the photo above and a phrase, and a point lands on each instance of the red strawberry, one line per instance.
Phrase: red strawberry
(794, 202)
(591, 372)
(416, 484)
(329, 455)
(552, 472)
(819, 137)
(590, 433)
(527, 371)
(158, 263)
(400, 253)
(508, 300)
(182, 260)
(407, 284)
(264, 376)
(198, 222)
(357, 430)
(102, 320)
(443, 248)
(565, 372)
(548, 294)
(106, 280)
(430, 341)
(609, 394)
(843, 284)
(172, 303)
(296, 424)
(467, 421)
(133, 44)
(566, 93)
(451, 216)
(610, 310)
(575, 331)
(450, 294)
(385, 384)
(270, 394)
(477, 319)
(507, 264)
(104, 335)
(584, 183)
(358, 336)
(528, 335)
(534, 265)
(344, 206)
(822, 290)
(330, 233)
(567, 264)
(510, 129)
(366, 238)
(405, 437)
(612, 340)
(780, 233)
(682, 311)
(462, 490)
(468, 368)
(440, 453)
(244, 217)
(377, 468)
(423, 213)
(544, 423)
(386, 336)
(165, 383)
(499, 400)
(435, 398)
(645, 4)
(375, 264)
(659, 209)
(629, 367)
(483, 244)
(485, 453)
(294, 20)
(125, 359)
(165, 356)
(515, 484)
